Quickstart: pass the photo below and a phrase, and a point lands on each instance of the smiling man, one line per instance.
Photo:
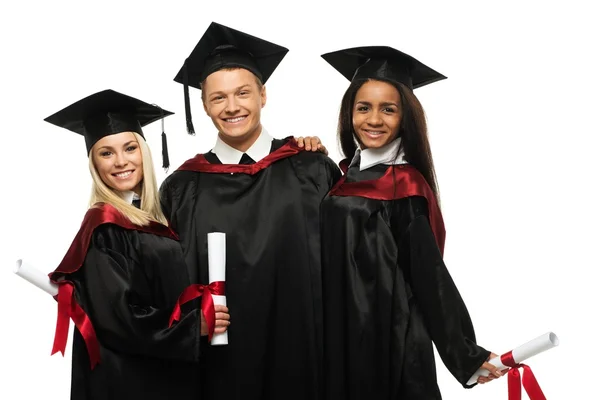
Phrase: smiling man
(264, 193)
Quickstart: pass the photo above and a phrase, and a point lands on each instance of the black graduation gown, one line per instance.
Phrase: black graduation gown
(387, 292)
(270, 213)
(127, 279)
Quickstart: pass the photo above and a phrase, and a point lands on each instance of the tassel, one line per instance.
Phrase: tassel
(165, 148)
(165, 152)
(186, 95)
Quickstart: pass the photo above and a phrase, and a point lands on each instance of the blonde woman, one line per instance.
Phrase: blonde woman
(123, 273)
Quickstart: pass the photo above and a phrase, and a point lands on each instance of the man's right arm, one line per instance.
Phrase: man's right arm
(166, 201)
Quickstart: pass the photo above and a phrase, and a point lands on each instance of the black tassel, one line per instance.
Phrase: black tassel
(165, 148)
(186, 95)
(165, 152)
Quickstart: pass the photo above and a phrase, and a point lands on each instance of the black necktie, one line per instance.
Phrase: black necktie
(353, 170)
(246, 159)
(137, 203)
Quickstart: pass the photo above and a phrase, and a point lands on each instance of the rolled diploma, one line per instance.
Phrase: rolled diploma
(521, 353)
(216, 273)
(35, 276)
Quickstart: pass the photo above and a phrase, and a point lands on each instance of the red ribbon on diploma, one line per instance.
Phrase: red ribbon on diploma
(208, 307)
(530, 384)
(69, 309)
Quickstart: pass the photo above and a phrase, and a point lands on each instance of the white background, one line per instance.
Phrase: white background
(514, 135)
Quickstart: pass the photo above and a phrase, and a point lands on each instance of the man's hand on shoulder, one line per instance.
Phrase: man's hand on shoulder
(311, 143)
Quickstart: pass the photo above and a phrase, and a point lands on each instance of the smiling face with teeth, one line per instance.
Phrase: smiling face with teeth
(377, 114)
(233, 99)
(118, 160)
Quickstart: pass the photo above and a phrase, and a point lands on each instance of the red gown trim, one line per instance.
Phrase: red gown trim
(200, 164)
(68, 308)
(398, 182)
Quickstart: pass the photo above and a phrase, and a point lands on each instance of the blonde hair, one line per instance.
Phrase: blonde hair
(150, 202)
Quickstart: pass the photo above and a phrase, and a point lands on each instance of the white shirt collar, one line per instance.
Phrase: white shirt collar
(129, 196)
(259, 149)
(382, 155)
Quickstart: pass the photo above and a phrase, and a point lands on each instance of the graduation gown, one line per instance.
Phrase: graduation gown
(387, 292)
(270, 213)
(125, 280)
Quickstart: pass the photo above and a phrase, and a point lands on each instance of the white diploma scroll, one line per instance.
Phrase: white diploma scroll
(521, 353)
(36, 277)
(216, 273)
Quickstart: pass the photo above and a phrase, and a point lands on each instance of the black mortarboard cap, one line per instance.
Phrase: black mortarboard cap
(106, 113)
(384, 63)
(223, 47)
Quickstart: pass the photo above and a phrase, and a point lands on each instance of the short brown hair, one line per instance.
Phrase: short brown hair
(256, 78)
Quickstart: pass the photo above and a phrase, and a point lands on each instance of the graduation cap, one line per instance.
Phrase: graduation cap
(223, 47)
(109, 112)
(384, 63)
